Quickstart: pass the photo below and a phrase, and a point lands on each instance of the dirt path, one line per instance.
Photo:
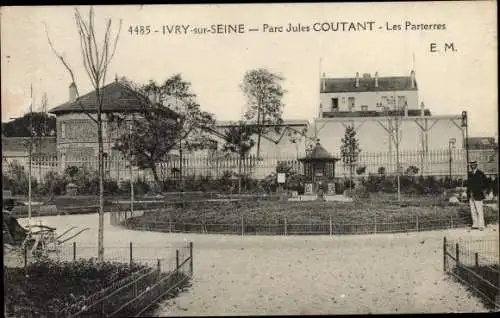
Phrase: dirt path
(253, 275)
(400, 273)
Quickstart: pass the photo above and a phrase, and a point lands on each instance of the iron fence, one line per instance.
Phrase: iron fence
(165, 268)
(475, 263)
(117, 168)
(137, 293)
(283, 227)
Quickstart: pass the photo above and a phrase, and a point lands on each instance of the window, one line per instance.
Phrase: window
(350, 103)
(364, 108)
(401, 101)
(335, 104)
(63, 130)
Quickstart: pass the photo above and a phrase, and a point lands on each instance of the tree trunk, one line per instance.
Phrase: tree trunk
(260, 130)
(155, 176)
(100, 235)
(239, 173)
(351, 173)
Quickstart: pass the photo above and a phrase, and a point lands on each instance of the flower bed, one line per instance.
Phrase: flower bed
(51, 286)
(255, 213)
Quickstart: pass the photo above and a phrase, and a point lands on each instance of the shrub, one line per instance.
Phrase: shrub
(111, 187)
(87, 181)
(225, 182)
(249, 184)
(349, 184)
(17, 179)
(54, 184)
(67, 282)
(6, 183)
(141, 186)
(360, 170)
(381, 171)
(412, 170)
(339, 187)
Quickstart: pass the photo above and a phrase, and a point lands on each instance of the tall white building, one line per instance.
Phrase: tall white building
(388, 116)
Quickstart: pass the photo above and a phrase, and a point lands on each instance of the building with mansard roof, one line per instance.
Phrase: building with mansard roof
(389, 117)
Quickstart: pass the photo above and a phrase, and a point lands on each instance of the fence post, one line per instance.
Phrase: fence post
(375, 224)
(457, 254)
(331, 225)
(131, 253)
(285, 225)
(242, 226)
(417, 222)
(74, 251)
(445, 257)
(191, 257)
(170, 225)
(158, 268)
(25, 260)
(177, 260)
(477, 259)
(451, 221)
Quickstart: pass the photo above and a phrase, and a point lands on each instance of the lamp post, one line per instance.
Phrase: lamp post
(451, 144)
(465, 125)
(180, 164)
(131, 171)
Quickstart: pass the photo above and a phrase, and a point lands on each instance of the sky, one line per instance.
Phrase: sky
(449, 82)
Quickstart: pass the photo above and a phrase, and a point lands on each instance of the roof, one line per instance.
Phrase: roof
(319, 153)
(117, 98)
(367, 84)
(289, 122)
(19, 144)
(374, 113)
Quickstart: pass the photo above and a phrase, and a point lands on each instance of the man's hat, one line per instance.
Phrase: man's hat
(474, 162)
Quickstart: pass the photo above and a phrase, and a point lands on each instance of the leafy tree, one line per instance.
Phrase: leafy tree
(296, 137)
(169, 119)
(264, 95)
(350, 150)
(43, 125)
(238, 140)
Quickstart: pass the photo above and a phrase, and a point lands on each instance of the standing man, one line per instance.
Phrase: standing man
(476, 186)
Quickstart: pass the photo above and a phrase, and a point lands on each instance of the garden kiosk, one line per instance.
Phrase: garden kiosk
(319, 169)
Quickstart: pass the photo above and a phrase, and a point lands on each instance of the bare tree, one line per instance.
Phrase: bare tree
(96, 60)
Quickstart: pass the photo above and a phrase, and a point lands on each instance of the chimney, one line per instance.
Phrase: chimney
(412, 75)
(422, 109)
(376, 79)
(72, 92)
(323, 83)
(357, 79)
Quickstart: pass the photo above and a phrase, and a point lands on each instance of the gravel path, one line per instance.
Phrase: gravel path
(254, 275)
